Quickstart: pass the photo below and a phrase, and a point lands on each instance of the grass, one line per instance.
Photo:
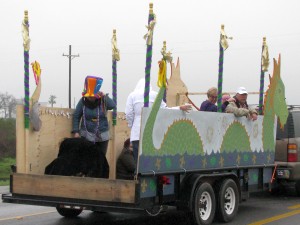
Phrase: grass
(5, 170)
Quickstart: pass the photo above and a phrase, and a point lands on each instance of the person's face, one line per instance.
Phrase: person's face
(91, 99)
(225, 98)
(242, 98)
(213, 97)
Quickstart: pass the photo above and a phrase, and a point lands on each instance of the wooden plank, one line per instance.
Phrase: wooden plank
(20, 140)
(122, 191)
(44, 144)
(118, 134)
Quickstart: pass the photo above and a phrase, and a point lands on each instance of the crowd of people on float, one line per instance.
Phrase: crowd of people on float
(237, 104)
(90, 117)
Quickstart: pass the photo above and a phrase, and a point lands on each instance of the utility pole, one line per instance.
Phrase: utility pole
(70, 56)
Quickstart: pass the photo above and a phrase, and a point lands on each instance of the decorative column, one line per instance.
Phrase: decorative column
(26, 45)
(115, 58)
(223, 46)
(162, 72)
(263, 68)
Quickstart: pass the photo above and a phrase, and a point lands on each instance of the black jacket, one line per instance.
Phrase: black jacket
(78, 157)
(125, 165)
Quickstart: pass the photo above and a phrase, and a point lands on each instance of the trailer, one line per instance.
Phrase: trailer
(203, 163)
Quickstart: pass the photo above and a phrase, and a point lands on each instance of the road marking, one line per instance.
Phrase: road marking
(274, 218)
(294, 207)
(21, 217)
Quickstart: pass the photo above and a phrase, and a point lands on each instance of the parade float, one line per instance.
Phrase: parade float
(203, 163)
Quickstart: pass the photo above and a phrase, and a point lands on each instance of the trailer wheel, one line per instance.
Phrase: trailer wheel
(204, 204)
(67, 212)
(228, 200)
(297, 187)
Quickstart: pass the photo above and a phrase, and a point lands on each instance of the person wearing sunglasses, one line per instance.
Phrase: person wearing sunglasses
(209, 105)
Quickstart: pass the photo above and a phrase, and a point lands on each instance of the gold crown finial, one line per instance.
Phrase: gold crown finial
(151, 8)
(26, 15)
(222, 26)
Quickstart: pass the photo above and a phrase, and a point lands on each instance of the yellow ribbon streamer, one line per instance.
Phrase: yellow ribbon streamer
(162, 74)
(115, 50)
(149, 36)
(37, 76)
(36, 71)
(223, 38)
(265, 61)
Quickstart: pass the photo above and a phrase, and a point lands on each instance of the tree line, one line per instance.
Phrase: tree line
(7, 105)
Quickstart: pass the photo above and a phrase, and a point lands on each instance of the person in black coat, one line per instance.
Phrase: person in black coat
(126, 163)
(79, 157)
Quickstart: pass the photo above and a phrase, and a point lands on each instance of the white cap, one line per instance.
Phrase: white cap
(241, 90)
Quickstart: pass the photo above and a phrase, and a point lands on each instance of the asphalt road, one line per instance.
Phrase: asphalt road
(259, 209)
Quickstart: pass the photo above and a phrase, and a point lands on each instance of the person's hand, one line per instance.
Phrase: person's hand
(252, 117)
(76, 135)
(101, 93)
(231, 100)
(186, 108)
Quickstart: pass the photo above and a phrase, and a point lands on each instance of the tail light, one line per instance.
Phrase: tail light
(164, 180)
(292, 155)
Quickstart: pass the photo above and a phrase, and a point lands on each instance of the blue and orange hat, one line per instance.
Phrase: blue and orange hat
(92, 86)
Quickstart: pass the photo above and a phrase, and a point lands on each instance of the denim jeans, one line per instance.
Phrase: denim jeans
(135, 147)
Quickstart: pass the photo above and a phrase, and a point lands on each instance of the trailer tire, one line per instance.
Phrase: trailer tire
(204, 204)
(228, 200)
(279, 189)
(297, 187)
(68, 213)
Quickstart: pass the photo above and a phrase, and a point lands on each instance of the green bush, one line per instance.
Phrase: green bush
(7, 138)
(5, 170)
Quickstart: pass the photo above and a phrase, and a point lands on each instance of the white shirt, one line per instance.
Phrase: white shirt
(134, 105)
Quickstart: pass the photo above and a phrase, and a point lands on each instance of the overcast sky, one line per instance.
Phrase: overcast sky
(191, 29)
